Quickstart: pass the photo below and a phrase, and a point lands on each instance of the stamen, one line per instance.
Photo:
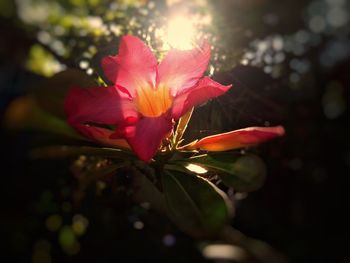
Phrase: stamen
(153, 102)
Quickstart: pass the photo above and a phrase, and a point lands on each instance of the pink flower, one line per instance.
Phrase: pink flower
(145, 99)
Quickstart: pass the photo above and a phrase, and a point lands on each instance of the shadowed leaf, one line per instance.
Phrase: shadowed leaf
(195, 205)
(50, 93)
(24, 114)
(51, 152)
(145, 191)
(244, 173)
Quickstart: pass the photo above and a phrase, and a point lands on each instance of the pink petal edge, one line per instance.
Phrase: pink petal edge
(103, 105)
(205, 90)
(145, 137)
(181, 69)
(102, 136)
(134, 65)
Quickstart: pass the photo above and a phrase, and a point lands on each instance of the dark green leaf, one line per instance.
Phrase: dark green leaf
(242, 172)
(195, 205)
(145, 191)
(50, 152)
(50, 93)
(24, 114)
(96, 173)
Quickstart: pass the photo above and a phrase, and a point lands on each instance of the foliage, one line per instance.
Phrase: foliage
(74, 33)
(194, 203)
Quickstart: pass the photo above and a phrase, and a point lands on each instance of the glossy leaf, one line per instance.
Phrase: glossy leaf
(195, 205)
(244, 173)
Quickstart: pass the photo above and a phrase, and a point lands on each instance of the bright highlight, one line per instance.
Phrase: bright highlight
(180, 33)
(196, 168)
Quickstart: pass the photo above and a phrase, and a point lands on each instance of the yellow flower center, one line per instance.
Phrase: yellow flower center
(153, 102)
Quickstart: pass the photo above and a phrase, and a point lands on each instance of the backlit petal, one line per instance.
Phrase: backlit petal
(181, 69)
(205, 89)
(152, 102)
(236, 139)
(102, 136)
(102, 105)
(145, 137)
(134, 66)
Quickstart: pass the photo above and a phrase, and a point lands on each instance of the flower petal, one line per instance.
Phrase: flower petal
(145, 137)
(99, 105)
(181, 69)
(101, 136)
(203, 91)
(236, 139)
(134, 65)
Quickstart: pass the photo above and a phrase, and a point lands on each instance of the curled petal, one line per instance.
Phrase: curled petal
(102, 136)
(145, 137)
(236, 139)
(181, 69)
(205, 89)
(99, 105)
(134, 66)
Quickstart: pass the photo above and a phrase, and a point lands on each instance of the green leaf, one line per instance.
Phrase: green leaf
(242, 172)
(96, 173)
(24, 114)
(91, 175)
(145, 191)
(195, 205)
(51, 92)
(52, 152)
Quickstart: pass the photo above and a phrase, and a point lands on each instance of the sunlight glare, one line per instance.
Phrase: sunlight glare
(196, 168)
(224, 252)
(181, 32)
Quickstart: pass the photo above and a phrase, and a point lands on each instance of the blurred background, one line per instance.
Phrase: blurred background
(289, 63)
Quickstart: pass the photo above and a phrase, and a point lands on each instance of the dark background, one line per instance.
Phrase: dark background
(302, 208)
